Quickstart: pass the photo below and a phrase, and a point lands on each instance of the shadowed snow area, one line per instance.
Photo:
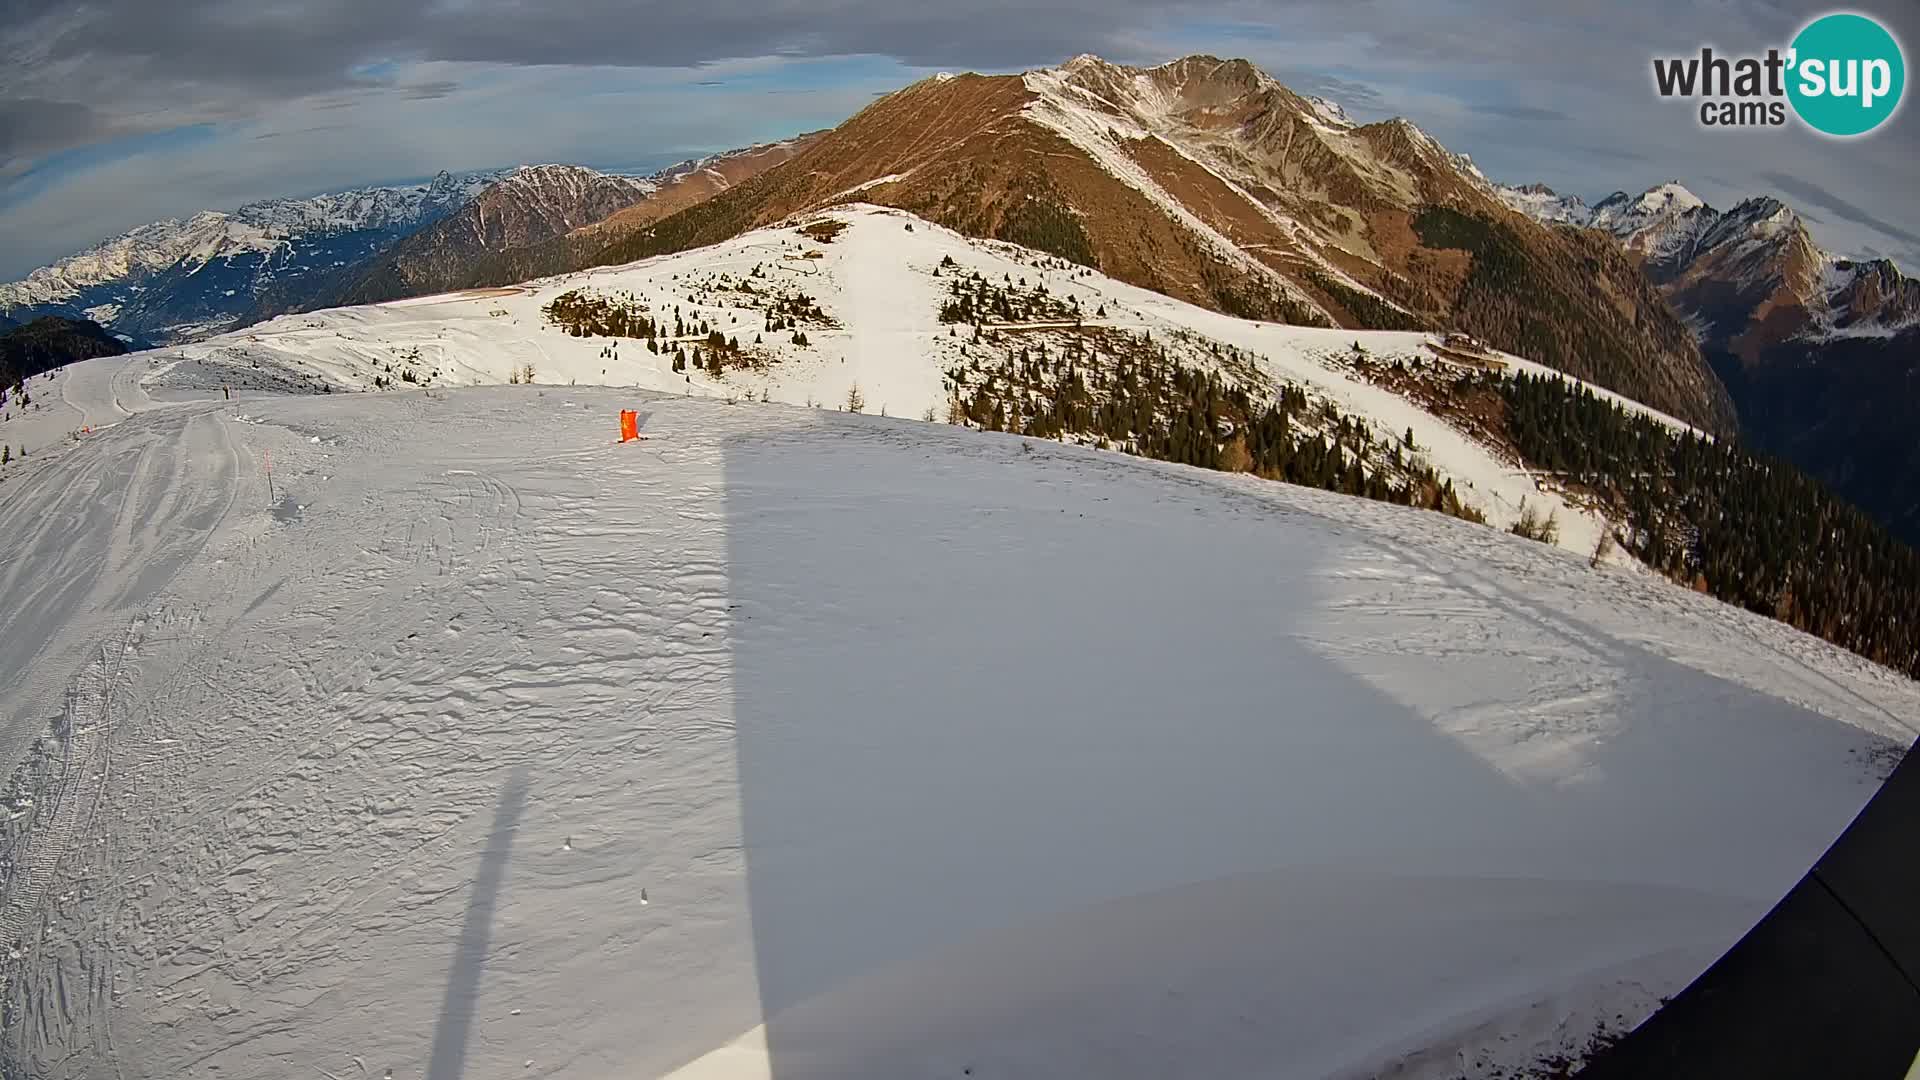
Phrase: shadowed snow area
(788, 743)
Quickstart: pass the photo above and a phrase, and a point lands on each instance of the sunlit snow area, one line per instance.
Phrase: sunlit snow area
(791, 743)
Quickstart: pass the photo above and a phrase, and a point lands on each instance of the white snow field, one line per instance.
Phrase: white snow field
(789, 743)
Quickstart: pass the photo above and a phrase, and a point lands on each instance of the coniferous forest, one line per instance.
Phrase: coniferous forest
(1116, 390)
(1748, 529)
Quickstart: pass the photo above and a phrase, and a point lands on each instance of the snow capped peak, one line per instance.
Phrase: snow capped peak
(1542, 203)
(1661, 222)
(1763, 210)
(1329, 111)
(1189, 80)
(365, 208)
(1669, 196)
(1417, 136)
(1084, 62)
(554, 171)
(571, 186)
(1770, 241)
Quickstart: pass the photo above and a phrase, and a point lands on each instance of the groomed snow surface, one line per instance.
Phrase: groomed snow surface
(789, 743)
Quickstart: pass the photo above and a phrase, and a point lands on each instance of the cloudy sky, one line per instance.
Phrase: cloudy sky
(118, 112)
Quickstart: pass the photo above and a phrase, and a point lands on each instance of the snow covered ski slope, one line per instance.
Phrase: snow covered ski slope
(877, 285)
(790, 743)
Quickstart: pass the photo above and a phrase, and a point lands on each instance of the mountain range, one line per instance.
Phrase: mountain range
(1202, 179)
(182, 280)
(1746, 278)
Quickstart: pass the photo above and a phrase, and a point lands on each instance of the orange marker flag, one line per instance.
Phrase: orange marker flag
(629, 425)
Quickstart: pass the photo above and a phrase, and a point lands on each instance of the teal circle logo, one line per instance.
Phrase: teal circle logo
(1846, 74)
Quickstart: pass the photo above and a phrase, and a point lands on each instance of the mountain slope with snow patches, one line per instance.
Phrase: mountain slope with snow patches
(878, 285)
(790, 743)
(1208, 181)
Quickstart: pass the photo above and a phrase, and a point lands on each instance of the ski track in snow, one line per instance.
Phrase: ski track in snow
(793, 744)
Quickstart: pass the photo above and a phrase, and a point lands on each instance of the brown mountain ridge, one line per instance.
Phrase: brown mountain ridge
(1207, 180)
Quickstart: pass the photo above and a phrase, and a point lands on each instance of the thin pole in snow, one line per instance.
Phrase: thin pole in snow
(271, 497)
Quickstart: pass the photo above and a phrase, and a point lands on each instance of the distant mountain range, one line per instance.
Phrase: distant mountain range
(1746, 278)
(177, 280)
(540, 211)
(1821, 353)
(181, 280)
